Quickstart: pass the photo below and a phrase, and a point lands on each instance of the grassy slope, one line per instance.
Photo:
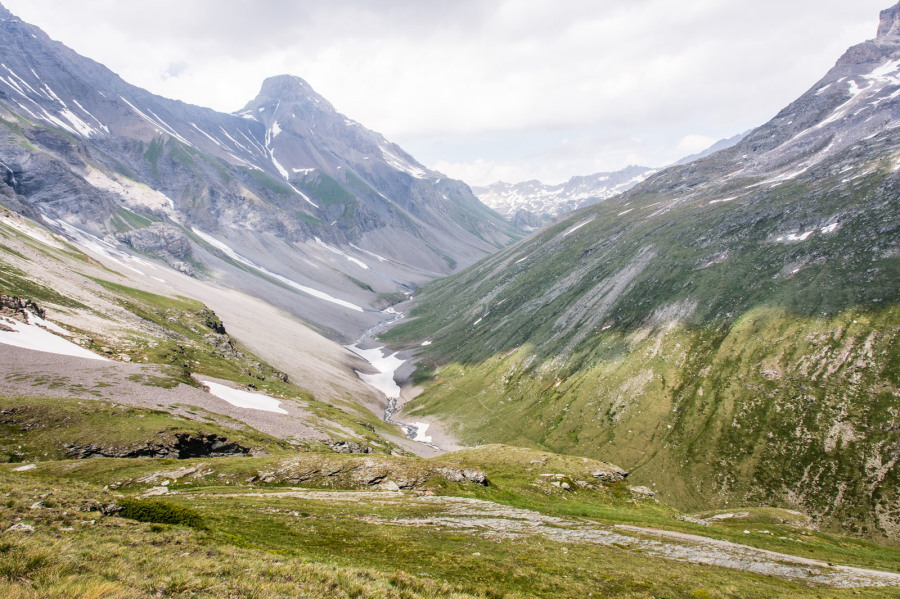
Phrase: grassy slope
(680, 339)
(254, 545)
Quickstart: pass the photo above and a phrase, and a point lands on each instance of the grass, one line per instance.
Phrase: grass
(16, 282)
(268, 182)
(682, 341)
(259, 545)
(75, 552)
(38, 429)
(161, 512)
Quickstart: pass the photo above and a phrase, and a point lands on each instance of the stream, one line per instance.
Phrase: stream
(386, 365)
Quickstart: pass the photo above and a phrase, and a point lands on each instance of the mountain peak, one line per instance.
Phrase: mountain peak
(285, 86)
(889, 25)
(289, 89)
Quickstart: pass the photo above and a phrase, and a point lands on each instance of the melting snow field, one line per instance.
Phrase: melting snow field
(244, 399)
(32, 336)
(386, 365)
(421, 427)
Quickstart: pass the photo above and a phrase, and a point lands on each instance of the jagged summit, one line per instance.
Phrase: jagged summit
(889, 26)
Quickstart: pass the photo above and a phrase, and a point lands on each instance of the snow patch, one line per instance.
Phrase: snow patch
(792, 237)
(421, 427)
(207, 135)
(244, 399)
(373, 254)
(402, 164)
(575, 228)
(160, 123)
(334, 250)
(97, 245)
(283, 171)
(385, 363)
(96, 120)
(32, 336)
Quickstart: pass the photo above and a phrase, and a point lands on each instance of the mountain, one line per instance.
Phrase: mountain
(728, 330)
(550, 201)
(531, 203)
(287, 198)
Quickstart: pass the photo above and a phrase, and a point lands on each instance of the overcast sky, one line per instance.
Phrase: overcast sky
(484, 90)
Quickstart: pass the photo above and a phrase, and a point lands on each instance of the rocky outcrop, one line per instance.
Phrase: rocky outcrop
(463, 475)
(370, 472)
(183, 446)
(11, 304)
(158, 238)
(212, 321)
(610, 474)
(348, 447)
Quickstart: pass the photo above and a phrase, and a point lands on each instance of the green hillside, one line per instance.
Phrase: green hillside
(734, 340)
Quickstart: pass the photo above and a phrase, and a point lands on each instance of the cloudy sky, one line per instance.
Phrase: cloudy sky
(484, 90)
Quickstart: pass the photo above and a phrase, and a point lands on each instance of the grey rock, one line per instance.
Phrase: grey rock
(463, 475)
(159, 238)
(612, 474)
(348, 447)
(183, 446)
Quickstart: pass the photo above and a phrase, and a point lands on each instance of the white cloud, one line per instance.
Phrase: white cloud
(692, 144)
(588, 83)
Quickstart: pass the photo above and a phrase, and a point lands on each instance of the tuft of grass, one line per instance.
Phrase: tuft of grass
(161, 512)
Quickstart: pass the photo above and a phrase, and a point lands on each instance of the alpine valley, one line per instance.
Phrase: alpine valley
(687, 387)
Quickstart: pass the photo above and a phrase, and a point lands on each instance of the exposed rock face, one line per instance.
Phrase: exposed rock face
(889, 25)
(158, 238)
(212, 321)
(183, 447)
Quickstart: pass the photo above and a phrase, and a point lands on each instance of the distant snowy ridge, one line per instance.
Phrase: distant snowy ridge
(554, 200)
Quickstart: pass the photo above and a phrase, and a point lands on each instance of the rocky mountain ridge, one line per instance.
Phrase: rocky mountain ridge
(550, 201)
(289, 185)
